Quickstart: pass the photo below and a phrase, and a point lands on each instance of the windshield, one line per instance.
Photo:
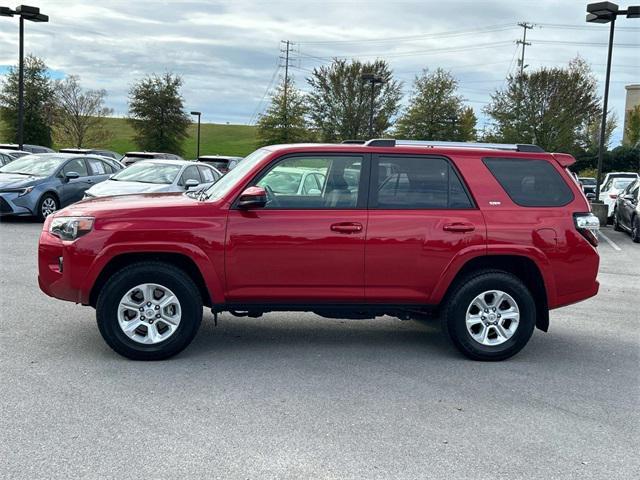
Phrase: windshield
(226, 183)
(40, 166)
(588, 181)
(620, 184)
(148, 172)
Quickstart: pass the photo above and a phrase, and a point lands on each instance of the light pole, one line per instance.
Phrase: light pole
(606, 12)
(198, 145)
(33, 15)
(373, 80)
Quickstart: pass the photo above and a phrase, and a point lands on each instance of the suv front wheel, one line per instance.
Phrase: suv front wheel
(490, 316)
(149, 311)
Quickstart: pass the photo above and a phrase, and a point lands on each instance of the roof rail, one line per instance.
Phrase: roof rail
(515, 147)
(354, 142)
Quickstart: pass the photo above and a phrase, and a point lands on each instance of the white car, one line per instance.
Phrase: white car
(611, 189)
(156, 176)
(610, 175)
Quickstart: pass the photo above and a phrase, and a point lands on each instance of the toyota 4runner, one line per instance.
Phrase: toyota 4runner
(486, 237)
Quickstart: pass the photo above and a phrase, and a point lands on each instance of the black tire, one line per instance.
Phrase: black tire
(635, 229)
(50, 199)
(149, 272)
(457, 303)
(616, 222)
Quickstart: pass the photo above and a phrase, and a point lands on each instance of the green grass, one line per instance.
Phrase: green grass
(215, 139)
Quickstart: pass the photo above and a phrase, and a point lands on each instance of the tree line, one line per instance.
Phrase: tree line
(557, 108)
(62, 112)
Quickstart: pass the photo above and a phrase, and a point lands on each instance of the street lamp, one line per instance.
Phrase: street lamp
(198, 147)
(606, 12)
(32, 14)
(373, 81)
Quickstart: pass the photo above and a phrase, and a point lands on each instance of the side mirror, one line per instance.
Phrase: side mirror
(71, 176)
(192, 182)
(253, 197)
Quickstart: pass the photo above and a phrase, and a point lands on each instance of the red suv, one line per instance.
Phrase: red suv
(488, 238)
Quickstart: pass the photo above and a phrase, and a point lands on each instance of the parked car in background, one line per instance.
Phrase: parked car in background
(130, 158)
(7, 156)
(610, 175)
(221, 163)
(26, 148)
(610, 191)
(626, 216)
(92, 151)
(41, 184)
(588, 185)
(295, 181)
(486, 239)
(155, 176)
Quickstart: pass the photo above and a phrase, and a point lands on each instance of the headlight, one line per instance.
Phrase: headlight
(70, 228)
(26, 190)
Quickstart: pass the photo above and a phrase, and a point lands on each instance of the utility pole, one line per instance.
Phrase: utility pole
(286, 88)
(526, 26)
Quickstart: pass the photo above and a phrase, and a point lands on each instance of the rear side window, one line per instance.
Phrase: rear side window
(406, 183)
(530, 183)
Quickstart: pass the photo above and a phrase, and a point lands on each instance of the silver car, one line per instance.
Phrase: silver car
(156, 176)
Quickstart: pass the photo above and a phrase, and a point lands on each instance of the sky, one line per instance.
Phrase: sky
(228, 52)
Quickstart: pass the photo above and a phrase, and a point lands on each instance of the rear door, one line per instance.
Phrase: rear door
(420, 217)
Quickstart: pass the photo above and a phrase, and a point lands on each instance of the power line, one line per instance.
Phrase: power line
(451, 33)
(254, 115)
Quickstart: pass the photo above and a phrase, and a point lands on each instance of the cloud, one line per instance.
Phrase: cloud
(227, 51)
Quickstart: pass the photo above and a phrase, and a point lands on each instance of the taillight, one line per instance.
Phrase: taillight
(588, 225)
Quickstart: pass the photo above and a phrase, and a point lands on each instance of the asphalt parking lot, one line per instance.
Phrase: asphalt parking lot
(297, 396)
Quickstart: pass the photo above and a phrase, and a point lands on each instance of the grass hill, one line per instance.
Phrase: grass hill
(214, 139)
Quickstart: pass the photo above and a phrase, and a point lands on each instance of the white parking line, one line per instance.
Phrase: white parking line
(610, 242)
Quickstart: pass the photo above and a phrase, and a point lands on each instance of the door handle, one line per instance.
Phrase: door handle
(346, 227)
(458, 227)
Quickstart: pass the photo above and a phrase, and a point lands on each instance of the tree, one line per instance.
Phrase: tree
(632, 127)
(551, 107)
(436, 111)
(38, 104)
(284, 121)
(79, 115)
(591, 140)
(156, 112)
(340, 102)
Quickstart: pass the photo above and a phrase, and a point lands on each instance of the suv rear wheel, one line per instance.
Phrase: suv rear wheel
(490, 316)
(635, 229)
(149, 311)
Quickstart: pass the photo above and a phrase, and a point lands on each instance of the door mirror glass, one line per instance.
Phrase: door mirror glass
(253, 197)
(71, 175)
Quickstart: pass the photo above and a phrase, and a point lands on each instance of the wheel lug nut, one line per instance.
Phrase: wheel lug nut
(157, 307)
(484, 318)
(157, 316)
(486, 310)
(142, 317)
(494, 309)
(151, 321)
(148, 304)
(141, 309)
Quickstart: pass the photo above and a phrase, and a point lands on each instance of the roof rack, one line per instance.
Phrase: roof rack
(354, 142)
(515, 147)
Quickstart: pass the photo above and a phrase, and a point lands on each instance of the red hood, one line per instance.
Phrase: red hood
(128, 206)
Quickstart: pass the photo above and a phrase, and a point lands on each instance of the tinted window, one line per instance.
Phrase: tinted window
(190, 173)
(76, 165)
(148, 172)
(286, 182)
(530, 183)
(417, 182)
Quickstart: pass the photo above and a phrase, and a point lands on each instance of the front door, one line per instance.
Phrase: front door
(72, 190)
(307, 244)
(420, 218)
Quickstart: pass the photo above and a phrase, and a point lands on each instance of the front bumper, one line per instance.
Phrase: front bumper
(56, 276)
(12, 204)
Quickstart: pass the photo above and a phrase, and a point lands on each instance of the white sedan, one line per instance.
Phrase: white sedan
(156, 176)
(611, 190)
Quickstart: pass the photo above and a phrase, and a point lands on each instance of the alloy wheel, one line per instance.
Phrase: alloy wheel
(48, 207)
(492, 317)
(149, 313)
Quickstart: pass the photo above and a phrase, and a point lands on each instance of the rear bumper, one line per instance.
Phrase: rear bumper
(575, 297)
